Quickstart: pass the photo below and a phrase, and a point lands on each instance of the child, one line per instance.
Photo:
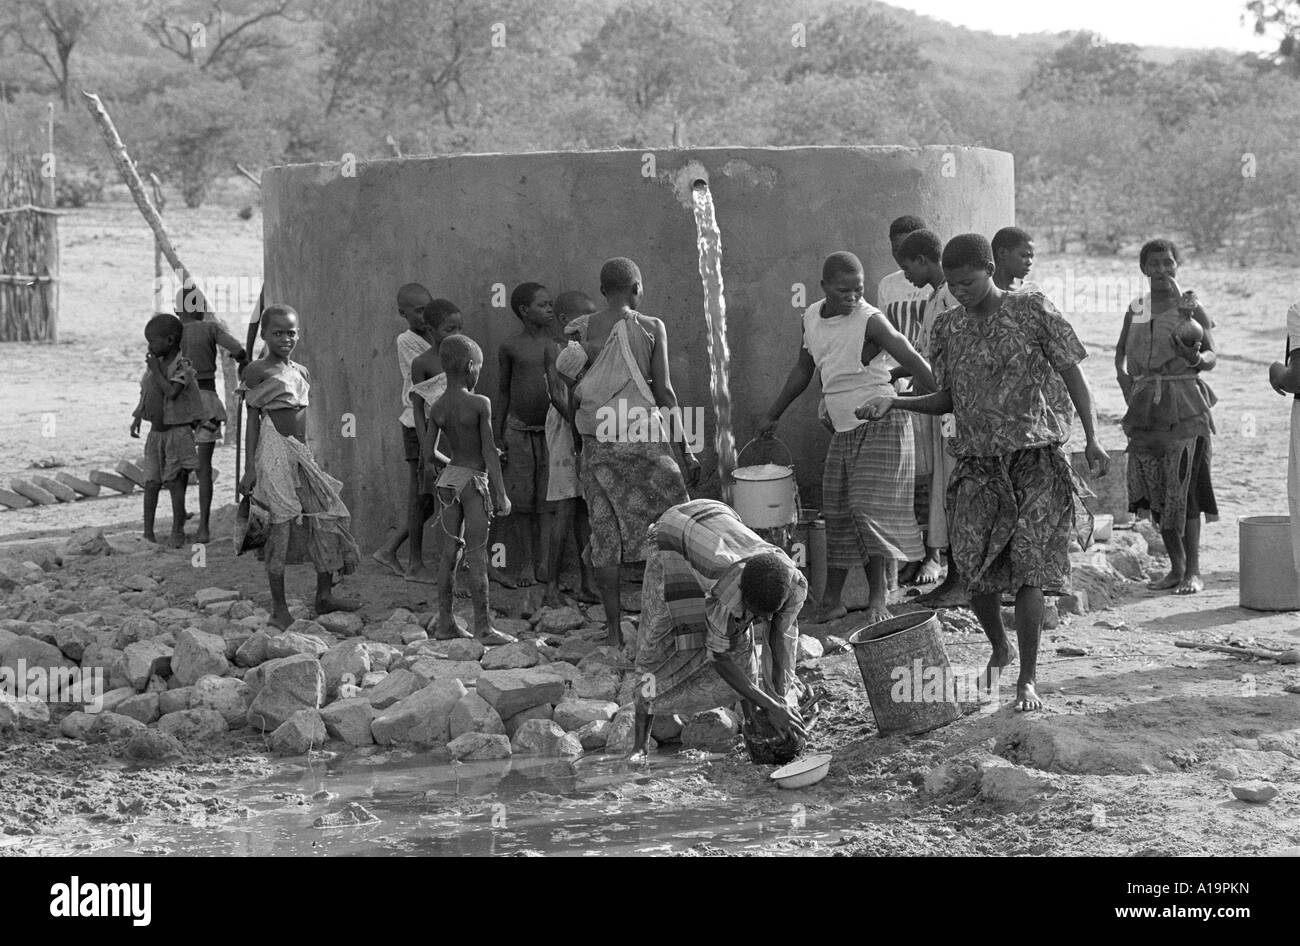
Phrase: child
(1168, 421)
(1013, 257)
(468, 489)
(521, 425)
(304, 506)
(428, 383)
(1012, 495)
(899, 299)
(867, 482)
(170, 402)
(200, 337)
(562, 473)
(921, 251)
(1284, 376)
(411, 300)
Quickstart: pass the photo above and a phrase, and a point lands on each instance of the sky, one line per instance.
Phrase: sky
(1188, 23)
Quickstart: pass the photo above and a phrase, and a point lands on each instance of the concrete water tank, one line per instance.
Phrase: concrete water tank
(340, 239)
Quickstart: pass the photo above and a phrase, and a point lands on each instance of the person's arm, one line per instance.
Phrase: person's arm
(505, 366)
(496, 481)
(231, 344)
(796, 382)
(1285, 378)
(1204, 358)
(875, 408)
(785, 623)
(1121, 347)
(661, 386)
(137, 416)
(884, 335)
(251, 436)
(1077, 385)
(784, 718)
(428, 432)
(556, 389)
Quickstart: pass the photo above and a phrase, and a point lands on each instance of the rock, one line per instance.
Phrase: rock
(349, 721)
(112, 726)
(1099, 581)
(458, 649)
(72, 639)
(512, 691)
(153, 746)
(253, 651)
(517, 656)
(627, 690)
(343, 623)
(1256, 792)
(594, 734)
(1128, 563)
(15, 714)
(1227, 773)
(560, 668)
(288, 685)
(833, 645)
(558, 620)
(620, 738)
(143, 659)
(14, 500)
(383, 656)
(1292, 687)
(474, 714)
(87, 542)
(513, 723)
(1129, 539)
(573, 649)
(666, 728)
(349, 659)
(1069, 651)
(193, 725)
(546, 738)
(173, 700)
(602, 658)
(226, 695)
(1073, 603)
(1010, 786)
(422, 719)
(350, 691)
(479, 747)
(427, 669)
(112, 699)
(1151, 535)
(33, 653)
(810, 648)
(352, 816)
(395, 687)
(572, 714)
(601, 684)
(714, 730)
(140, 583)
(290, 643)
(142, 706)
(374, 678)
(206, 596)
(413, 634)
(198, 654)
(1051, 616)
(299, 734)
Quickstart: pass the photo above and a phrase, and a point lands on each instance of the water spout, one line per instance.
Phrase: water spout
(709, 240)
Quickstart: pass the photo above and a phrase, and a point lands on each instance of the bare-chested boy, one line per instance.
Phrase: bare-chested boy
(521, 425)
(202, 335)
(469, 488)
(428, 383)
(284, 477)
(170, 402)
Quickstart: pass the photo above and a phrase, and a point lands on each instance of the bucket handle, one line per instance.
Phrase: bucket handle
(789, 455)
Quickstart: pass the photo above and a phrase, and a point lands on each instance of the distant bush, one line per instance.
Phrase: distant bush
(77, 188)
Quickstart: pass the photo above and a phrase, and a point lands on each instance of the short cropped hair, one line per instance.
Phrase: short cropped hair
(272, 311)
(190, 300)
(840, 264)
(437, 310)
(921, 243)
(570, 301)
(765, 582)
(1158, 246)
(413, 295)
(523, 296)
(456, 350)
(1008, 238)
(163, 325)
(619, 275)
(904, 225)
(968, 249)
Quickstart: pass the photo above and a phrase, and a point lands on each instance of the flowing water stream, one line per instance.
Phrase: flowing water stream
(709, 240)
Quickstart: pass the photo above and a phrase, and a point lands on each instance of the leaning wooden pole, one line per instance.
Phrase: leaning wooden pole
(126, 168)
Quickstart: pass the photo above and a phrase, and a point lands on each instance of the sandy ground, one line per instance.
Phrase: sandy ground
(1130, 756)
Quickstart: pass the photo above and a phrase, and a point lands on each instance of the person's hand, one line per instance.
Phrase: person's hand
(1275, 371)
(247, 482)
(502, 504)
(824, 416)
(767, 427)
(787, 721)
(1189, 353)
(503, 455)
(1098, 459)
(135, 428)
(151, 360)
(874, 408)
(691, 469)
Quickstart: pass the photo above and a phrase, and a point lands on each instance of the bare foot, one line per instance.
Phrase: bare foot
(176, 540)
(1190, 585)
(462, 593)
(281, 618)
(202, 536)
(929, 572)
(421, 574)
(525, 580)
(389, 561)
(1001, 658)
(1027, 698)
(907, 573)
(826, 614)
(150, 537)
(877, 612)
(491, 637)
(327, 603)
(1171, 580)
(551, 599)
(501, 578)
(448, 630)
(639, 757)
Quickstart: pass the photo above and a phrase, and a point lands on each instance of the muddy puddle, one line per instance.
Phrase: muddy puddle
(598, 806)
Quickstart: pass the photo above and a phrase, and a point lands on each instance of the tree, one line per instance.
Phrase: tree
(1279, 18)
(848, 41)
(221, 36)
(50, 30)
(1087, 68)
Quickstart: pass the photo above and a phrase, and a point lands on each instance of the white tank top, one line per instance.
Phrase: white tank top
(836, 348)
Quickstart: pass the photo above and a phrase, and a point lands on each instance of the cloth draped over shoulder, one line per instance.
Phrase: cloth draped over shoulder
(1170, 403)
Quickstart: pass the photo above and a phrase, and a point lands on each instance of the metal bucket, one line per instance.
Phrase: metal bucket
(897, 658)
(764, 499)
(1266, 564)
(811, 534)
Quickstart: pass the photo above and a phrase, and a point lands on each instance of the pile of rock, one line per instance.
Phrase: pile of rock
(177, 676)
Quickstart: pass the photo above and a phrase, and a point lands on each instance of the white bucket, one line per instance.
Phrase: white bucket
(1267, 566)
(765, 496)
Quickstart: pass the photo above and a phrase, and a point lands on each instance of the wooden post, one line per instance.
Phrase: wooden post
(126, 168)
(160, 202)
(49, 138)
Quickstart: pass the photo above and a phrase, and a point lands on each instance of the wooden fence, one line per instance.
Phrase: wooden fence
(29, 257)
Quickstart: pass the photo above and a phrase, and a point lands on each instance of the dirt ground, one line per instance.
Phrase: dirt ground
(1134, 754)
